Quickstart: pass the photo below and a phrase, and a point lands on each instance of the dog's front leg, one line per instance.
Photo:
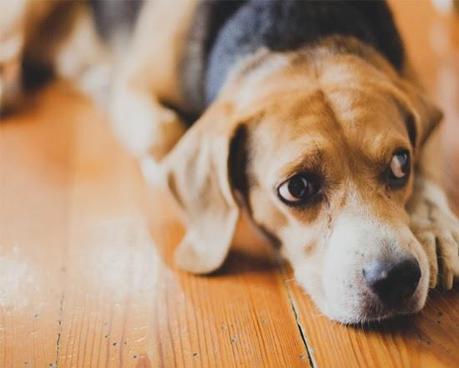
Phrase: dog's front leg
(12, 37)
(432, 220)
(145, 126)
(150, 74)
(10, 78)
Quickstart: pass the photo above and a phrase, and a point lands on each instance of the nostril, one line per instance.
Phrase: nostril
(393, 281)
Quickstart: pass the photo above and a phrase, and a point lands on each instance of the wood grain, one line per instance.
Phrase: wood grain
(109, 299)
(429, 339)
(86, 276)
(34, 185)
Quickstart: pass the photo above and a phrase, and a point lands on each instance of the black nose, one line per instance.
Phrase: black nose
(393, 281)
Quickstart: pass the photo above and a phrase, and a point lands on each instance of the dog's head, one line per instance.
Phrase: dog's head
(321, 149)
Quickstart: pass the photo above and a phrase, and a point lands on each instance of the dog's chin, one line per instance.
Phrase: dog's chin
(371, 311)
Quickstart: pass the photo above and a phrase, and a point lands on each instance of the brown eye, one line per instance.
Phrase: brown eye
(300, 189)
(399, 169)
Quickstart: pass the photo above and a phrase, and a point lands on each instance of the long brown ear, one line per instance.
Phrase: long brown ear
(422, 116)
(197, 174)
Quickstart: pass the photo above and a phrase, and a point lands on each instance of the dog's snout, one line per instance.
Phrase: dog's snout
(393, 281)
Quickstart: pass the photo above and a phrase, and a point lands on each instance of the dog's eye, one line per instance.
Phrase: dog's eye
(399, 169)
(300, 189)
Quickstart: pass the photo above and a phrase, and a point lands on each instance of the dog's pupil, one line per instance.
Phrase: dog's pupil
(400, 164)
(298, 187)
(403, 159)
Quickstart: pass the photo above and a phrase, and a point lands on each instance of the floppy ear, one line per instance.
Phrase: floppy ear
(422, 116)
(198, 176)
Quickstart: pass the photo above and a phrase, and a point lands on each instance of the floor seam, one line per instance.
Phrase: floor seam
(59, 331)
(63, 269)
(300, 327)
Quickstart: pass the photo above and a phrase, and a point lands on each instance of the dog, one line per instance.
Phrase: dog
(306, 115)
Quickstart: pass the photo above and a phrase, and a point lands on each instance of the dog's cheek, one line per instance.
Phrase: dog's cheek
(353, 242)
(342, 285)
(303, 247)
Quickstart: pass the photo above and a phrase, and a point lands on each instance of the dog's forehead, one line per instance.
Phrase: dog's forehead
(328, 126)
(327, 117)
(346, 133)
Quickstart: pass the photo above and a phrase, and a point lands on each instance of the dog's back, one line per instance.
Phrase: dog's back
(223, 32)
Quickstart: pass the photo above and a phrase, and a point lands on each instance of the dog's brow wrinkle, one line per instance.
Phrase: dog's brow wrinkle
(329, 221)
(330, 109)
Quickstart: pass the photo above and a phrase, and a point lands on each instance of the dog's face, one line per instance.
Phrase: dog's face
(329, 175)
(324, 161)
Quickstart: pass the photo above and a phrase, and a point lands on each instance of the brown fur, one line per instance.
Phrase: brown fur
(336, 108)
(342, 114)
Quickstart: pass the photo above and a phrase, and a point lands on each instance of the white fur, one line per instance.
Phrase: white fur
(332, 272)
(133, 118)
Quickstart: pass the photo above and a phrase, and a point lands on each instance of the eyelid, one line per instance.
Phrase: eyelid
(400, 150)
(315, 198)
(316, 174)
(310, 161)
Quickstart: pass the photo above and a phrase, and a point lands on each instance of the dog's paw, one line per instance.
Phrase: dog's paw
(144, 125)
(437, 229)
(10, 66)
(10, 83)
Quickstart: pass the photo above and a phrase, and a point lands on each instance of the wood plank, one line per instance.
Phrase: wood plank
(123, 306)
(35, 148)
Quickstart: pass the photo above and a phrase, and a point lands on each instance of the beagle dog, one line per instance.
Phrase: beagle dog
(307, 116)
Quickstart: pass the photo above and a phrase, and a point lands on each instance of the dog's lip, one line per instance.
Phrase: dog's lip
(380, 322)
(386, 312)
(364, 319)
(373, 311)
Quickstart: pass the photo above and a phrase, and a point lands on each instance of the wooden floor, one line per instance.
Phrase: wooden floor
(85, 273)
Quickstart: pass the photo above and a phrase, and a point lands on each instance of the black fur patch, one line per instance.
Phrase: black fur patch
(112, 15)
(284, 25)
(209, 18)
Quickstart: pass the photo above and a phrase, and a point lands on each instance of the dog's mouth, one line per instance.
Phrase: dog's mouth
(378, 312)
(378, 316)
(373, 311)
(388, 322)
(366, 307)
